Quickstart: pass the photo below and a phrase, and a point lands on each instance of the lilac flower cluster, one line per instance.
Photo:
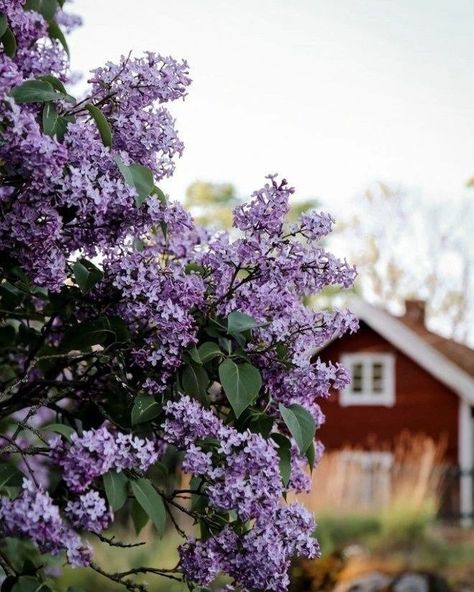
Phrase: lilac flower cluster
(243, 473)
(32, 58)
(159, 301)
(34, 515)
(139, 82)
(96, 452)
(257, 560)
(85, 190)
(87, 204)
(281, 267)
(89, 512)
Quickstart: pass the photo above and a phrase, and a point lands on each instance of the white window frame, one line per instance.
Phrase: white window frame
(385, 398)
(369, 476)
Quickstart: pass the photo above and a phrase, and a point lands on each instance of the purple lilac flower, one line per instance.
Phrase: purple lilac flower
(34, 515)
(202, 560)
(136, 83)
(98, 451)
(89, 512)
(243, 475)
(267, 210)
(159, 301)
(258, 559)
(187, 421)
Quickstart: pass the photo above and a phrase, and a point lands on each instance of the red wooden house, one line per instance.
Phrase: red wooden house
(404, 378)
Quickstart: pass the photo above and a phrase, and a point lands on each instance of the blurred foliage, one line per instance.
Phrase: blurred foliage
(406, 246)
(115, 559)
(211, 204)
(335, 532)
(357, 544)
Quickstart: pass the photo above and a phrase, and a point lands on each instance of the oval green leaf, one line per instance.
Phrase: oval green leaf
(10, 476)
(50, 118)
(284, 455)
(208, 351)
(86, 274)
(138, 176)
(115, 485)
(102, 124)
(60, 428)
(301, 425)
(3, 24)
(9, 42)
(241, 384)
(34, 91)
(145, 408)
(195, 380)
(237, 322)
(55, 32)
(151, 501)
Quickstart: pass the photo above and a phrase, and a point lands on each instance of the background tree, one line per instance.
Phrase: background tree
(405, 246)
(211, 204)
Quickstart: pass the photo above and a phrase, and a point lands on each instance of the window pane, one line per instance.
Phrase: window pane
(357, 372)
(377, 377)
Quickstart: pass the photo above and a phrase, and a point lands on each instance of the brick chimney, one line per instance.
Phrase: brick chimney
(415, 311)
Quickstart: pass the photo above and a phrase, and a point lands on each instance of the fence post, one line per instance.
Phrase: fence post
(466, 462)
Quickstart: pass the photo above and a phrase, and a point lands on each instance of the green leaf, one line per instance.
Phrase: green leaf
(54, 82)
(81, 337)
(139, 517)
(9, 43)
(160, 195)
(195, 380)
(241, 383)
(301, 425)
(10, 476)
(86, 274)
(261, 424)
(120, 329)
(61, 126)
(102, 124)
(237, 322)
(47, 8)
(7, 335)
(3, 24)
(138, 176)
(35, 91)
(27, 584)
(284, 454)
(311, 456)
(55, 32)
(50, 118)
(115, 485)
(60, 428)
(151, 501)
(194, 355)
(144, 409)
(194, 268)
(208, 351)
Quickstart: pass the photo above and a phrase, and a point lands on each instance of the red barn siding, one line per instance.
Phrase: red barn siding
(422, 403)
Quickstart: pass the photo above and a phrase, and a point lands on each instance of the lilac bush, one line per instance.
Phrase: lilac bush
(135, 346)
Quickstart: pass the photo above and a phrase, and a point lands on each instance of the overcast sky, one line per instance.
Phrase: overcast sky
(332, 94)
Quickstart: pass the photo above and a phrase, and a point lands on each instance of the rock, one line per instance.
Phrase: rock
(419, 582)
(370, 582)
(410, 582)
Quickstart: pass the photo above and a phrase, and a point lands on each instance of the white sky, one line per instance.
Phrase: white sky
(332, 94)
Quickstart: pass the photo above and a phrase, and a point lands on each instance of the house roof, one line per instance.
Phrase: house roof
(452, 363)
